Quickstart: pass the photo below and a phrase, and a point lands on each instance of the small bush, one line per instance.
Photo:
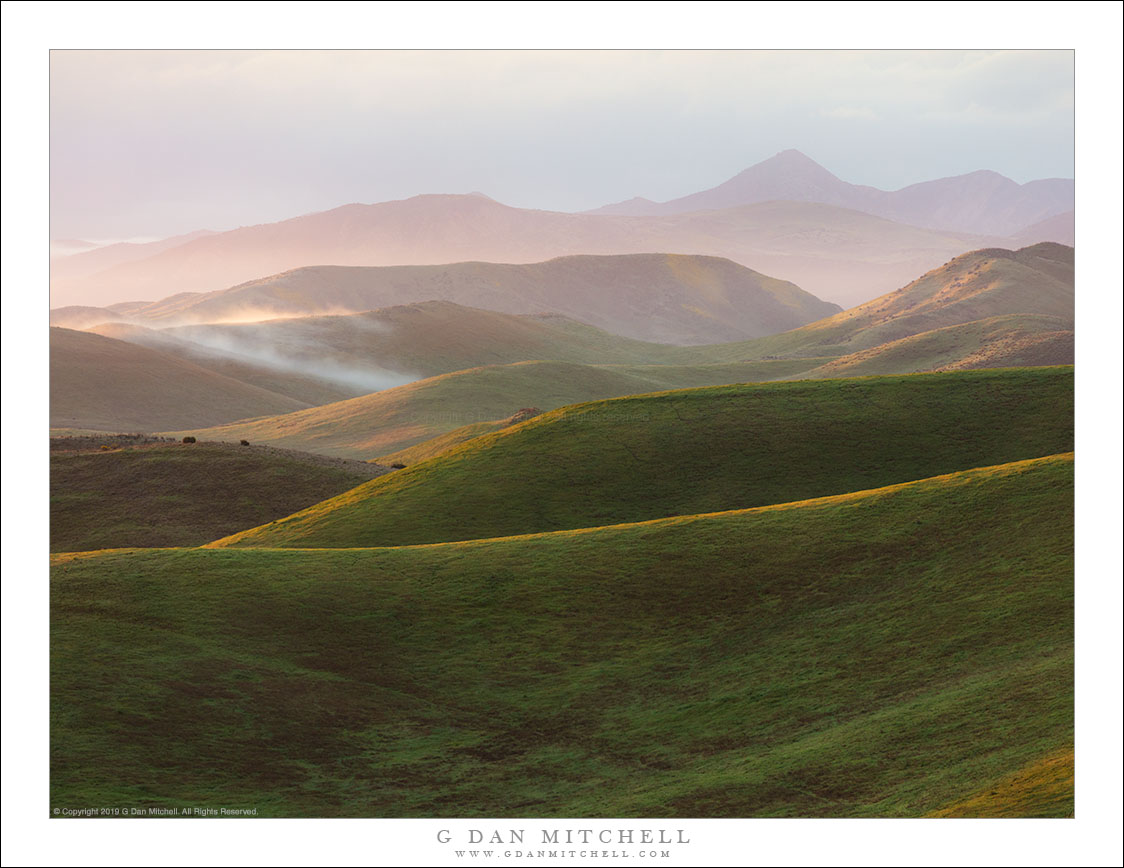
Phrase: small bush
(244, 442)
(105, 447)
(397, 466)
(188, 439)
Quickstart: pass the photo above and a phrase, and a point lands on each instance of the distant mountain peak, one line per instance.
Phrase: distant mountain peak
(982, 202)
(791, 155)
(790, 163)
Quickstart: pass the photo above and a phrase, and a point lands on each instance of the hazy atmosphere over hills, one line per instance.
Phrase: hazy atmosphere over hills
(838, 254)
(786, 216)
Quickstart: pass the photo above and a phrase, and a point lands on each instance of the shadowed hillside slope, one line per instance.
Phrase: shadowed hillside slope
(108, 385)
(697, 450)
(879, 654)
(178, 494)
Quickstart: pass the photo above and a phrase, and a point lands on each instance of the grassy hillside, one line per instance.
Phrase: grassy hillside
(104, 384)
(998, 342)
(884, 653)
(184, 495)
(993, 282)
(699, 450)
(444, 442)
(395, 419)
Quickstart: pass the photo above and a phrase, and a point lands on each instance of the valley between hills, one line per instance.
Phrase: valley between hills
(757, 503)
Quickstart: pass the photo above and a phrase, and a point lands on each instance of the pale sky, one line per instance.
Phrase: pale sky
(155, 143)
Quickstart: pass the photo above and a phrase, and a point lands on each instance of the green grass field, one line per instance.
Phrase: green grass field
(693, 451)
(881, 653)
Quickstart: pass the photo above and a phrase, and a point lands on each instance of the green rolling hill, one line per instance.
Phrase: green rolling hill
(884, 653)
(782, 577)
(394, 419)
(443, 442)
(694, 451)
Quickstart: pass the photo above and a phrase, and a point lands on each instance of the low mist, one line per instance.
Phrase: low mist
(329, 348)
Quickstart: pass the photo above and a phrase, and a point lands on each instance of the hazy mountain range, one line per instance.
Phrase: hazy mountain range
(984, 202)
(841, 255)
(786, 217)
(90, 261)
(656, 297)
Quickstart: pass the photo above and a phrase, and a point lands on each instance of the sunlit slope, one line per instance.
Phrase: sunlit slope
(1043, 789)
(692, 451)
(444, 442)
(996, 342)
(883, 653)
(1033, 281)
(401, 417)
(644, 378)
(184, 494)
